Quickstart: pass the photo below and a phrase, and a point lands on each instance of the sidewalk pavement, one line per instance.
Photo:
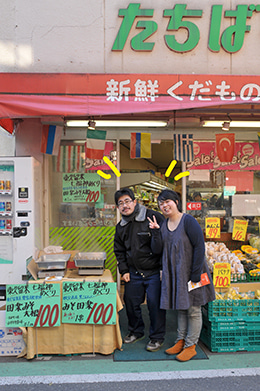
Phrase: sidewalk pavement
(217, 364)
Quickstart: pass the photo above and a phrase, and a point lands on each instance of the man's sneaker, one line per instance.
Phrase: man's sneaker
(130, 338)
(154, 345)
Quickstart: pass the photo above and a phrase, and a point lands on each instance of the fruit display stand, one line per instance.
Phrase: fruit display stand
(232, 325)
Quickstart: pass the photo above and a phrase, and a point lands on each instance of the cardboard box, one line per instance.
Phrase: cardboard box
(11, 338)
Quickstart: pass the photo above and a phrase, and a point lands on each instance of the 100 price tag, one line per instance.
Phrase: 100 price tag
(221, 275)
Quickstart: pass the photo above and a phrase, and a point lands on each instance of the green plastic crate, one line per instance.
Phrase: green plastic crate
(255, 278)
(241, 336)
(225, 341)
(228, 325)
(235, 310)
(239, 277)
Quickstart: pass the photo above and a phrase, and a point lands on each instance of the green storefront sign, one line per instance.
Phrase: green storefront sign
(230, 38)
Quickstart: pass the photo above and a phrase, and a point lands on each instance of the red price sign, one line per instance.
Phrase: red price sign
(212, 227)
(221, 275)
(239, 230)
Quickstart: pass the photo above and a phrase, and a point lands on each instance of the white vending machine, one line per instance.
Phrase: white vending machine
(20, 216)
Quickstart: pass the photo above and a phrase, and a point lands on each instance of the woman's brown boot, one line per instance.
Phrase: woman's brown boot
(187, 353)
(177, 348)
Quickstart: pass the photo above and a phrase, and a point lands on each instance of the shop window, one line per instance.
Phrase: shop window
(82, 209)
(216, 194)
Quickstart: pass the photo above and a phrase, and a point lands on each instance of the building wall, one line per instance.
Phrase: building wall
(77, 36)
(7, 143)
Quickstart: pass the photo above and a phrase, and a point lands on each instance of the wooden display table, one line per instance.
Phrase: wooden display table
(74, 338)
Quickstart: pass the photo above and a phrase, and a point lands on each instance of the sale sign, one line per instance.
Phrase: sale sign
(33, 305)
(212, 227)
(89, 302)
(221, 275)
(239, 230)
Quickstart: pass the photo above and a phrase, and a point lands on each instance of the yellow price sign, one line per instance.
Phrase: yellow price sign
(239, 230)
(212, 227)
(221, 275)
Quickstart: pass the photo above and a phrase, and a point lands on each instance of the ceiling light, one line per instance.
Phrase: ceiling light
(226, 126)
(91, 124)
(113, 124)
(233, 124)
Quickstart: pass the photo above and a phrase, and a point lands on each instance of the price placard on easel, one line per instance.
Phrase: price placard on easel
(239, 230)
(213, 227)
(221, 275)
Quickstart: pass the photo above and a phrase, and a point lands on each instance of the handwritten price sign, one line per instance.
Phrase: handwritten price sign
(33, 305)
(212, 227)
(221, 275)
(89, 302)
(239, 230)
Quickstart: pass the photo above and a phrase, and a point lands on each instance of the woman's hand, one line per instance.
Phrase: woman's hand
(153, 224)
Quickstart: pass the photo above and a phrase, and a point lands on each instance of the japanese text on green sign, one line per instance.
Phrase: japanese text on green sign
(231, 38)
(81, 187)
(89, 302)
(33, 305)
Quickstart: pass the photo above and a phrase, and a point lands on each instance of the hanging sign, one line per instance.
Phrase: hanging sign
(239, 230)
(33, 305)
(89, 302)
(246, 157)
(79, 187)
(212, 227)
(221, 275)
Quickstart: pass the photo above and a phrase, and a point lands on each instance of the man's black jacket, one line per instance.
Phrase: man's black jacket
(135, 244)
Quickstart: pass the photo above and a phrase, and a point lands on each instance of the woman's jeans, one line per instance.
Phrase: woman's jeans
(189, 325)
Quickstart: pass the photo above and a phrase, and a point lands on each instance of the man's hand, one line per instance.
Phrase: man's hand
(126, 277)
(153, 224)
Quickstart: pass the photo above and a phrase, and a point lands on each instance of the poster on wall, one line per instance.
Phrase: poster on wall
(81, 187)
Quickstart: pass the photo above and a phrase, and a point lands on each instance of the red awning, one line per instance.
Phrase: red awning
(24, 95)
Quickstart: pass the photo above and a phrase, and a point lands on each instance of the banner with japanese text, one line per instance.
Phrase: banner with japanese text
(42, 94)
(33, 305)
(246, 157)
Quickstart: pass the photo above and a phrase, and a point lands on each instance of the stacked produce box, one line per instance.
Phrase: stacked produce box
(232, 321)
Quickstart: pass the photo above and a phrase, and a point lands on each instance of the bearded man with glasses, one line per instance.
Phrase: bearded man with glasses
(139, 262)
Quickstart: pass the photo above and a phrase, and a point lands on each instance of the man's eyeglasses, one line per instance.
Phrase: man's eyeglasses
(125, 202)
